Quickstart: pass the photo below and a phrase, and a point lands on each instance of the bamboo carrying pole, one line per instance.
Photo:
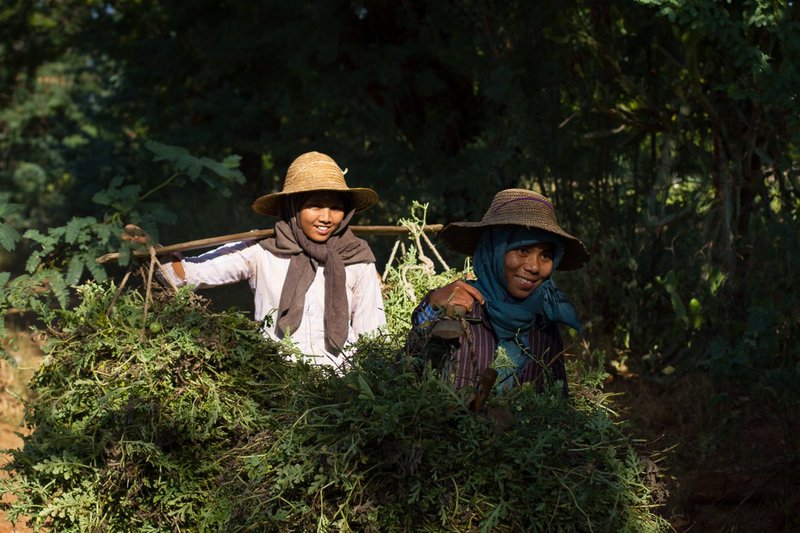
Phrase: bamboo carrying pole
(255, 235)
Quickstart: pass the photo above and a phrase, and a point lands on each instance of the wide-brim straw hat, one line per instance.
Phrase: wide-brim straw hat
(310, 172)
(517, 207)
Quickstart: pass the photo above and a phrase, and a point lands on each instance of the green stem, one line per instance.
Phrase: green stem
(162, 185)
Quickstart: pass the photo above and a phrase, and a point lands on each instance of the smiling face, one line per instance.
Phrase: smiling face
(527, 267)
(321, 214)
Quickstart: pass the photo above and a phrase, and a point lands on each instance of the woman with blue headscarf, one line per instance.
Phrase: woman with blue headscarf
(512, 307)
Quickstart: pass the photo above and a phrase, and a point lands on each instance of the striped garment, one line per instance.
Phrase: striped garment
(463, 360)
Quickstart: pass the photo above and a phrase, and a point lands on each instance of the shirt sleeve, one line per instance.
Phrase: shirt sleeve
(224, 265)
(425, 314)
(368, 312)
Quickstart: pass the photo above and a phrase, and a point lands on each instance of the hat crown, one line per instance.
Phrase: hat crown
(313, 170)
(521, 207)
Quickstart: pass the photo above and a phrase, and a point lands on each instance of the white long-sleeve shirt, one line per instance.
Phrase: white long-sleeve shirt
(266, 272)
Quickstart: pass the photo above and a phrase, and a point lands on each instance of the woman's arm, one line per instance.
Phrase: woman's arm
(224, 265)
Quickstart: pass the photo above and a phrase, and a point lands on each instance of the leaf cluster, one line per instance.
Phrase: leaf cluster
(62, 256)
(412, 274)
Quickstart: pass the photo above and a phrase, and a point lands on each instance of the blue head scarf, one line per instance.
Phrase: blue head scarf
(510, 317)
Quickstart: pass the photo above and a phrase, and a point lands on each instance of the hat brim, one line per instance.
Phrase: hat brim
(269, 204)
(463, 237)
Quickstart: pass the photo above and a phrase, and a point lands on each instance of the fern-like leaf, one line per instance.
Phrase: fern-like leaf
(105, 231)
(48, 242)
(74, 270)
(74, 227)
(97, 271)
(33, 262)
(4, 277)
(8, 237)
(58, 288)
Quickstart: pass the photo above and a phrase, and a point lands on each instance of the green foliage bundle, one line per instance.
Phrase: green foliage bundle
(383, 449)
(185, 419)
(130, 416)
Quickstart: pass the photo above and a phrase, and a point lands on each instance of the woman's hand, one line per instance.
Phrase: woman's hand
(456, 294)
(135, 235)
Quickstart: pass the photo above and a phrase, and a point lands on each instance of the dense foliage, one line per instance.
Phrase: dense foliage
(170, 417)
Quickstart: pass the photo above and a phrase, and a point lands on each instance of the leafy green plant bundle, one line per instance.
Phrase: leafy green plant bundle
(384, 449)
(185, 419)
(129, 414)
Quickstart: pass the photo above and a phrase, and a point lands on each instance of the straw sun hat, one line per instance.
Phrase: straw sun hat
(314, 171)
(518, 207)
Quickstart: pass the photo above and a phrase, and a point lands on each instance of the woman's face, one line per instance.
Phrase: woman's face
(321, 214)
(528, 267)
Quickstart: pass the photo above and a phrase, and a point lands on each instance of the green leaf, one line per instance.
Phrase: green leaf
(224, 168)
(58, 288)
(124, 256)
(194, 166)
(74, 270)
(8, 237)
(232, 162)
(105, 231)
(35, 235)
(97, 271)
(165, 152)
(47, 242)
(33, 261)
(74, 227)
(365, 393)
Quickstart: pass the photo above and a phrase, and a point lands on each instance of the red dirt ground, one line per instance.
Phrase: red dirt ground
(13, 383)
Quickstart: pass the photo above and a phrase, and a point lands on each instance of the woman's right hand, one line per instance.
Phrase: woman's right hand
(135, 235)
(453, 295)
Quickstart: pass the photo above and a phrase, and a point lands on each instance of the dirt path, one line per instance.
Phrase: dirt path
(731, 460)
(9, 440)
(14, 384)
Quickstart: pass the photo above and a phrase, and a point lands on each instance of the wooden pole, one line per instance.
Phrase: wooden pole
(255, 235)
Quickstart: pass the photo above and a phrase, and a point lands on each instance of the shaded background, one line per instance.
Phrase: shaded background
(665, 131)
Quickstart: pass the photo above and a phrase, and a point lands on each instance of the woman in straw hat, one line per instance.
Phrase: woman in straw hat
(513, 304)
(316, 279)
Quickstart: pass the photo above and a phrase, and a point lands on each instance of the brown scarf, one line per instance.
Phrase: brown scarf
(342, 248)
